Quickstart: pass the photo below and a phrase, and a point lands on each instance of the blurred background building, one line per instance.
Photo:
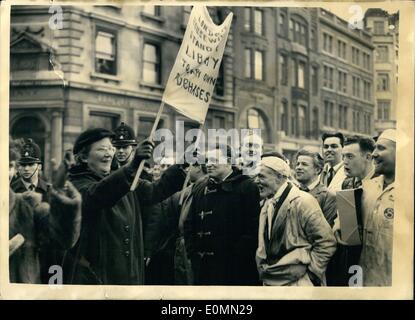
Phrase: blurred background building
(384, 28)
(292, 72)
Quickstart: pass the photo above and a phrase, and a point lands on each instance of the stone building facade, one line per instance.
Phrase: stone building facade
(109, 64)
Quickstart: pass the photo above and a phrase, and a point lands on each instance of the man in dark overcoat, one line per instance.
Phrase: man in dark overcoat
(221, 230)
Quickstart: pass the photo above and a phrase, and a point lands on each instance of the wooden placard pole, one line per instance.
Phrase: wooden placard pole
(153, 130)
(186, 181)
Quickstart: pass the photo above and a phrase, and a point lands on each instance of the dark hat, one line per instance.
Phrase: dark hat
(30, 153)
(124, 136)
(90, 136)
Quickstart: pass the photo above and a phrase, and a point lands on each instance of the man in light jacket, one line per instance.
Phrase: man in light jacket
(295, 242)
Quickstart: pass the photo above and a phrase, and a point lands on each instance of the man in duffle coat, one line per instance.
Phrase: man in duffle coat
(110, 249)
(222, 224)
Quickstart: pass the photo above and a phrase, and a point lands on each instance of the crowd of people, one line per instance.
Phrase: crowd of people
(278, 225)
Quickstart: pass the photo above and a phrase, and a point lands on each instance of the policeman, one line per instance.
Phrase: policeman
(29, 167)
(125, 143)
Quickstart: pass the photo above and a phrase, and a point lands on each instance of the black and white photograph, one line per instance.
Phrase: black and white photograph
(188, 147)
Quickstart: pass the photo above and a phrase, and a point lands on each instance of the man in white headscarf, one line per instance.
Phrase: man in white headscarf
(295, 242)
(378, 214)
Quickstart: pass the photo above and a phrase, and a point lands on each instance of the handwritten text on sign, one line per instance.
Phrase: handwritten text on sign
(193, 77)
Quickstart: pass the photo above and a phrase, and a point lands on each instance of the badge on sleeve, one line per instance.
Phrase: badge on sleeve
(388, 213)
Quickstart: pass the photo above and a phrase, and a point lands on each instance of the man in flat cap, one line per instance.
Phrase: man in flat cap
(295, 240)
(110, 249)
(378, 213)
(29, 167)
(221, 227)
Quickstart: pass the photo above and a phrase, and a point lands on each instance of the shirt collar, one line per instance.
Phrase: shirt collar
(28, 184)
(280, 190)
(337, 166)
(313, 184)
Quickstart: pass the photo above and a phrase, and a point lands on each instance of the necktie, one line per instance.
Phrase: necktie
(270, 213)
(357, 183)
(330, 176)
(32, 187)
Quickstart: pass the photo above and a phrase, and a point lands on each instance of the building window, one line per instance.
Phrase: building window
(283, 70)
(254, 20)
(384, 110)
(294, 121)
(259, 66)
(366, 61)
(257, 121)
(342, 81)
(151, 64)
(292, 33)
(253, 119)
(247, 21)
(145, 124)
(341, 49)
(298, 32)
(220, 81)
(105, 53)
(328, 77)
(383, 82)
(328, 113)
(284, 116)
(300, 74)
(327, 43)
(152, 10)
(314, 80)
(367, 89)
(219, 122)
(186, 14)
(302, 122)
(342, 117)
(382, 54)
(248, 63)
(356, 86)
(314, 42)
(258, 20)
(105, 120)
(355, 56)
(379, 27)
(345, 116)
(315, 124)
(281, 24)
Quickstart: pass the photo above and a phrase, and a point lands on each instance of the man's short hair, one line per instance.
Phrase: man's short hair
(333, 135)
(318, 160)
(365, 144)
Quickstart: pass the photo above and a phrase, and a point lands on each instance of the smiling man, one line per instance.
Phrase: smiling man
(29, 167)
(307, 170)
(295, 240)
(221, 229)
(378, 208)
(333, 174)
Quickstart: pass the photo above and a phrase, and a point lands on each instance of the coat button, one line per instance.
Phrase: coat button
(127, 253)
(126, 241)
(127, 228)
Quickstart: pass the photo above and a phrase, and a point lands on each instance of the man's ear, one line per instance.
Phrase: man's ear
(368, 156)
